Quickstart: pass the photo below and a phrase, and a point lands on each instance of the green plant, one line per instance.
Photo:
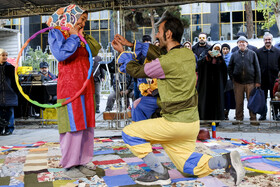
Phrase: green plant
(271, 12)
(34, 57)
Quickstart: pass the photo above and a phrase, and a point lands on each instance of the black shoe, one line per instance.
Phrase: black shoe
(236, 123)
(97, 111)
(108, 110)
(154, 178)
(263, 117)
(235, 167)
(7, 133)
(255, 123)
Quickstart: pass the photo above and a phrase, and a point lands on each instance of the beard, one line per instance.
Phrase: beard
(267, 44)
(202, 42)
(44, 72)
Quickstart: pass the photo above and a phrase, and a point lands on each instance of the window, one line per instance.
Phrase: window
(95, 25)
(207, 18)
(196, 19)
(104, 14)
(225, 17)
(104, 24)
(104, 38)
(225, 31)
(99, 26)
(196, 8)
(237, 6)
(237, 17)
(186, 9)
(206, 8)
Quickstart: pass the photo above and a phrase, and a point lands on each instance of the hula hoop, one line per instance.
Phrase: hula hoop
(57, 104)
(258, 170)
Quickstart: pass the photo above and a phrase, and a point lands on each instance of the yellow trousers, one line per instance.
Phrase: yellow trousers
(178, 140)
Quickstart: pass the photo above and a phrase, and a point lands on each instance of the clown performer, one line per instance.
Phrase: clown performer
(76, 120)
(178, 127)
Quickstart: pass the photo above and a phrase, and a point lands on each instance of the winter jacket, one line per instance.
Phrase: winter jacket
(8, 89)
(270, 65)
(49, 77)
(198, 50)
(244, 67)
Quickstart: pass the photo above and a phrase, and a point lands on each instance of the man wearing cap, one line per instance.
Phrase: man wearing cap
(244, 71)
(46, 74)
(269, 59)
(253, 48)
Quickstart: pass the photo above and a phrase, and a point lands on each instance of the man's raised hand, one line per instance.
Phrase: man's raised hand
(117, 46)
(122, 40)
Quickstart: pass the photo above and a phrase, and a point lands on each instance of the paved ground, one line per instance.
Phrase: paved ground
(30, 132)
(51, 135)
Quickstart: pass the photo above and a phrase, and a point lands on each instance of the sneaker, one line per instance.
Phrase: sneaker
(235, 167)
(97, 111)
(74, 173)
(7, 133)
(154, 178)
(86, 171)
(90, 166)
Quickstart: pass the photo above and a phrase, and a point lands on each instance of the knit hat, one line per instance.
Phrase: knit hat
(217, 45)
(242, 38)
(225, 45)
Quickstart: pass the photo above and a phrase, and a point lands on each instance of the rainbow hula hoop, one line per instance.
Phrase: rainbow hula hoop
(57, 104)
(258, 170)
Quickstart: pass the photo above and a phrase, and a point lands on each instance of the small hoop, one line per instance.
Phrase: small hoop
(261, 171)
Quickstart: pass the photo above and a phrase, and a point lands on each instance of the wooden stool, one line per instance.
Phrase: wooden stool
(116, 117)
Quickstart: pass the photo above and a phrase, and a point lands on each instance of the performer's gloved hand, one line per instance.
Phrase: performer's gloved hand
(124, 59)
(141, 49)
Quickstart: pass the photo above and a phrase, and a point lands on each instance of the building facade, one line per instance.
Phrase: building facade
(218, 20)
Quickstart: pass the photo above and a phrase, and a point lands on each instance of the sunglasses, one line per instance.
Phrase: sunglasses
(202, 38)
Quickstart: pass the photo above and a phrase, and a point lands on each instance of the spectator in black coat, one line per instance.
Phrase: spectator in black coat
(8, 94)
(244, 71)
(201, 45)
(269, 59)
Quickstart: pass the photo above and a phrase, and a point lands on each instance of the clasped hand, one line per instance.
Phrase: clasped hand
(119, 41)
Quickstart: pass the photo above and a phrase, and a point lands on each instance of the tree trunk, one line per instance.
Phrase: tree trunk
(249, 19)
(153, 25)
(277, 16)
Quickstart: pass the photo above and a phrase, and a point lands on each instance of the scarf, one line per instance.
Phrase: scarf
(65, 16)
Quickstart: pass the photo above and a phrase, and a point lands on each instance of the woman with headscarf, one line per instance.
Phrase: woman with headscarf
(212, 77)
(229, 93)
(8, 94)
(76, 120)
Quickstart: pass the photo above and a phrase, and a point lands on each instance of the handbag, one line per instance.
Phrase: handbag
(257, 102)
